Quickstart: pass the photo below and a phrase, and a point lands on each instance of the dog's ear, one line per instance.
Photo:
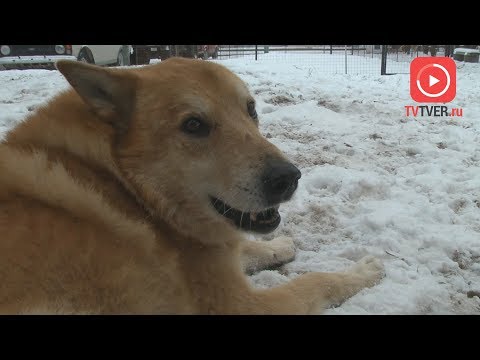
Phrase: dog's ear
(110, 93)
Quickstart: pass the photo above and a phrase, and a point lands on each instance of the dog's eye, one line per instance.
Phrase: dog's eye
(195, 126)
(251, 110)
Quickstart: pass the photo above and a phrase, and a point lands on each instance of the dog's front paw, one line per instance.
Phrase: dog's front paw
(370, 268)
(283, 249)
(261, 255)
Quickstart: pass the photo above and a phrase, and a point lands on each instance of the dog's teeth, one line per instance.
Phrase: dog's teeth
(253, 216)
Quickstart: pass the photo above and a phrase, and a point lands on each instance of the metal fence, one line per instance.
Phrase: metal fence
(350, 59)
(339, 59)
(399, 57)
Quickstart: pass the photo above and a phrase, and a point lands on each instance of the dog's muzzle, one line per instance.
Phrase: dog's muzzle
(279, 183)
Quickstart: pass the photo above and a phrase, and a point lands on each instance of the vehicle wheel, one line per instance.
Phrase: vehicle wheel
(86, 56)
(120, 59)
(133, 58)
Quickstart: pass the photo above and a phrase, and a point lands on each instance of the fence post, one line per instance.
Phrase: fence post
(256, 52)
(126, 54)
(383, 69)
(345, 59)
(331, 49)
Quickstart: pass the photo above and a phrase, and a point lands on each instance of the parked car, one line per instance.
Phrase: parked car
(467, 54)
(207, 51)
(100, 54)
(45, 56)
(142, 54)
(188, 51)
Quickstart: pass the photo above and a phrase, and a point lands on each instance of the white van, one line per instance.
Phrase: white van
(45, 56)
(100, 54)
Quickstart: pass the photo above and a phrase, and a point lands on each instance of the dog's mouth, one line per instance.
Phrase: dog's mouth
(262, 222)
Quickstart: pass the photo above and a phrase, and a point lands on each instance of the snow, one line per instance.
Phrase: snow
(406, 190)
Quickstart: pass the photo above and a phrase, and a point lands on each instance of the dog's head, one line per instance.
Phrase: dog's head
(187, 142)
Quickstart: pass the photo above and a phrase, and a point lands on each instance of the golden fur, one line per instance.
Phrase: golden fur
(103, 206)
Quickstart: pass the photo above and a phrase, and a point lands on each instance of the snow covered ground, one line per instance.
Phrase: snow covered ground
(406, 190)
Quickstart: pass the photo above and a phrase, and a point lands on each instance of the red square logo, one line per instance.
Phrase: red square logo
(433, 79)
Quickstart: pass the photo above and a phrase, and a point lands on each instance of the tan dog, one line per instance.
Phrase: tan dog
(126, 194)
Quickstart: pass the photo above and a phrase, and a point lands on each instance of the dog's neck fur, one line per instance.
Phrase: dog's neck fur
(85, 136)
(79, 134)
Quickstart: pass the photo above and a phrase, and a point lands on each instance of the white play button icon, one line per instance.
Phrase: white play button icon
(432, 80)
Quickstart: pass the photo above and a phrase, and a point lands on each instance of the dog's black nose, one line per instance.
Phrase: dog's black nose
(280, 181)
